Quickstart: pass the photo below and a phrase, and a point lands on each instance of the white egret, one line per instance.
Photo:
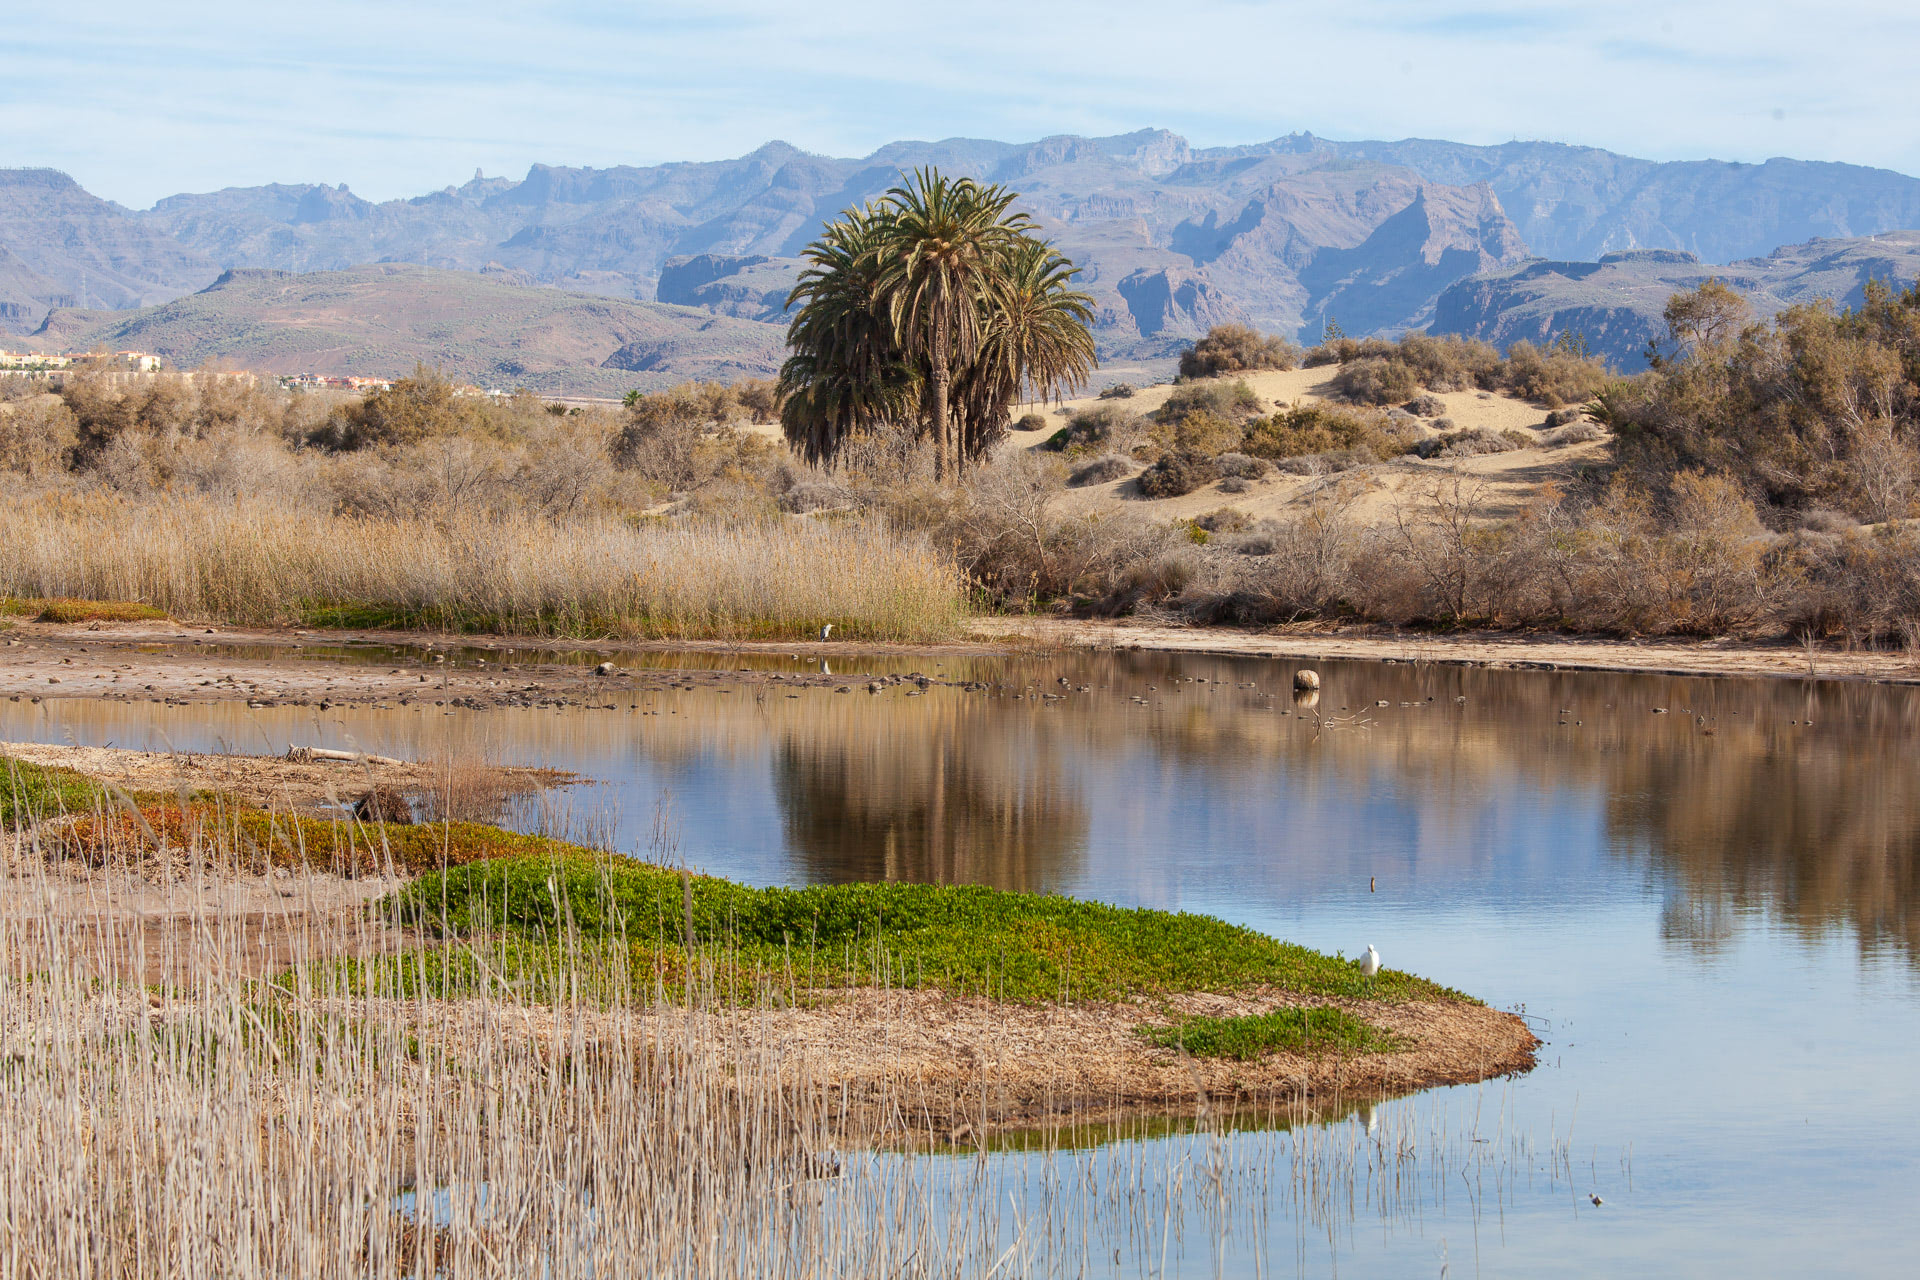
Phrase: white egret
(1370, 964)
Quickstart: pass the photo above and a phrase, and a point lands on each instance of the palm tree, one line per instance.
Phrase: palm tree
(948, 247)
(845, 372)
(1035, 345)
(935, 308)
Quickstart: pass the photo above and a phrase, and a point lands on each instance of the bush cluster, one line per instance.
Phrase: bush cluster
(1379, 371)
(1236, 348)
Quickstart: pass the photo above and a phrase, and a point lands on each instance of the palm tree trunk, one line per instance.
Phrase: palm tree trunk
(942, 442)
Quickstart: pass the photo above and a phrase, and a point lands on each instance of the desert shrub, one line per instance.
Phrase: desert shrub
(1346, 350)
(1375, 380)
(1573, 433)
(1561, 417)
(1813, 408)
(1118, 391)
(1236, 348)
(1223, 520)
(1200, 431)
(814, 494)
(1327, 462)
(1107, 467)
(1017, 551)
(1470, 443)
(758, 398)
(413, 409)
(1030, 422)
(1102, 428)
(1176, 474)
(1552, 376)
(1517, 438)
(1321, 428)
(1241, 467)
(1427, 406)
(1236, 484)
(1234, 401)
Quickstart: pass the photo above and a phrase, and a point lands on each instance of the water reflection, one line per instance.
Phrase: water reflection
(1792, 801)
(965, 803)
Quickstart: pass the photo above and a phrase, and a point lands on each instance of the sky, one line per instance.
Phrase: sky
(139, 101)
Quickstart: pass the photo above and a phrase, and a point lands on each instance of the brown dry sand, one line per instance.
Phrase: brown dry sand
(970, 1061)
(280, 783)
(1484, 649)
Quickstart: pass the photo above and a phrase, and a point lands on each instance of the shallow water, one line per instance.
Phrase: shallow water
(1712, 909)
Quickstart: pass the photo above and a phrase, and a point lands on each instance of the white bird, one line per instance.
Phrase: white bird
(826, 631)
(1370, 963)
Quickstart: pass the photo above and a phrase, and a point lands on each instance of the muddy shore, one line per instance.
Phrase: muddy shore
(170, 663)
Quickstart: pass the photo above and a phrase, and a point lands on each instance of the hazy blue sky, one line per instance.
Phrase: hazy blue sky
(141, 100)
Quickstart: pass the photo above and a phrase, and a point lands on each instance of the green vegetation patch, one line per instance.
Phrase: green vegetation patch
(1294, 1030)
(30, 792)
(65, 610)
(965, 939)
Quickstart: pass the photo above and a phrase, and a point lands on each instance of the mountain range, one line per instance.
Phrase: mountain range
(1286, 234)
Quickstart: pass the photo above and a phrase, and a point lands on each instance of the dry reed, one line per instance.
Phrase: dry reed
(253, 564)
(220, 1125)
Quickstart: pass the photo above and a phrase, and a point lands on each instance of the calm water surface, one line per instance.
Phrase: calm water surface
(1706, 892)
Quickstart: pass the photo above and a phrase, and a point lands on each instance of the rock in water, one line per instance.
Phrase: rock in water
(1306, 678)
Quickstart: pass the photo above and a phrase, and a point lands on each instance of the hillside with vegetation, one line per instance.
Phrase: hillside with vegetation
(1614, 307)
(492, 329)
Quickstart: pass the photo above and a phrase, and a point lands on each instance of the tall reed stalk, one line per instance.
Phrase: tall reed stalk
(253, 564)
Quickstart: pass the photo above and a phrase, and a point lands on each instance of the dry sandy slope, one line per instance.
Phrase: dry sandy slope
(1507, 481)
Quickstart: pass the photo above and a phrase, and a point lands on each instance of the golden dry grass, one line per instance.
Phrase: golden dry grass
(250, 563)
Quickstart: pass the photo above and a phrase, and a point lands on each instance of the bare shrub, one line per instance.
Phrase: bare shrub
(1240, 466)
(1236, 348)
(1030, 422)
(1018, 551)
(1103, 428)
(1885, 472)
(1118, 391)
(36, 436)
(811, 495)
(1471, 443)
(1427, 406)
(1107, 467)
(1236, 484)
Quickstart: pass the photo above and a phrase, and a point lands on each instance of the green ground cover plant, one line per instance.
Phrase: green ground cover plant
(1294, 1030)
(966, 939)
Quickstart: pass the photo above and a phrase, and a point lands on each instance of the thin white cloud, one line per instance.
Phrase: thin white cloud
(398, 99)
